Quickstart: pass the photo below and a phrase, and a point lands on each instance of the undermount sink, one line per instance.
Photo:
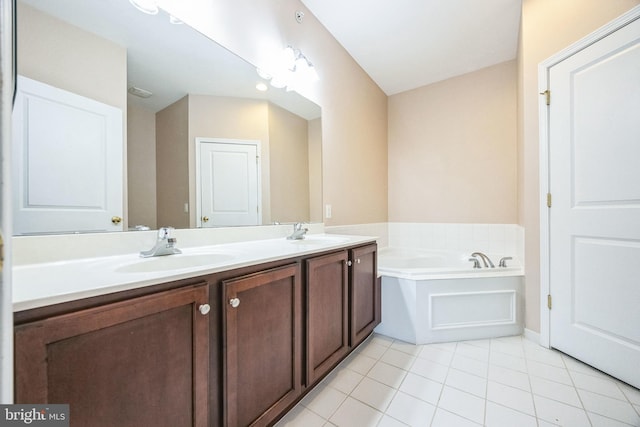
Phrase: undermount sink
(174, 262)
(319, 239)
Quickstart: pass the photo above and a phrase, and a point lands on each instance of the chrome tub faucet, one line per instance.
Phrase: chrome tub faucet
(485, 259)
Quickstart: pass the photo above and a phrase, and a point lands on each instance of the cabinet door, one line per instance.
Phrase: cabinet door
(141, 362)
(327, 313)
(263, 348)
(364, 293)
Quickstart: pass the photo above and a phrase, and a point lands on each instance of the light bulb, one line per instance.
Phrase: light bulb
(278, 82)
(262, 73)
(288, 58)
(146, 6)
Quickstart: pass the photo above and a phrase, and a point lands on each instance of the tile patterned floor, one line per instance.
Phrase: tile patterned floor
(507, 382)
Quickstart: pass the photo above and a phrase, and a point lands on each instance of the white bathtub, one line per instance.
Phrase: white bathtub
(437, 296)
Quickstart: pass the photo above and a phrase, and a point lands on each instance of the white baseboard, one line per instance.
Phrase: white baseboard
(532, 335)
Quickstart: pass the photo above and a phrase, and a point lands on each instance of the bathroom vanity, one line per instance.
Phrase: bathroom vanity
(234, 343)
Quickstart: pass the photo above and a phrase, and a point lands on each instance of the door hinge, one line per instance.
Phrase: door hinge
(549, 301)
(548, 200)
(547, 96)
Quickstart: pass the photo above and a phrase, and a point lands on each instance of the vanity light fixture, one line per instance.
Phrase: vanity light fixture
(147, 6)
(292, 69)
(151, 7)
(306, 69)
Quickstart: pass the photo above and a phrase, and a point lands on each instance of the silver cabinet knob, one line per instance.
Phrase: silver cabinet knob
(358, 261)
(349, 263)
(204, 309)
(234, 302)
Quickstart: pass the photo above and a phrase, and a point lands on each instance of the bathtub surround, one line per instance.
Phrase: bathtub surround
(505, 239)
(496, 240)
(438, 296)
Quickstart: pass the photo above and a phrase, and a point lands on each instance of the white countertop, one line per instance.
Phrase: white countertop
(42, 284)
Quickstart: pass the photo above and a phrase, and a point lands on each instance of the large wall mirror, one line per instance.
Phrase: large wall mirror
(200, 94)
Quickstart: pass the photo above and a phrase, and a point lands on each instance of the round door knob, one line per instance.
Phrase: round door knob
(116, 220)
(205, 219)
(234, 302)
(204, 309)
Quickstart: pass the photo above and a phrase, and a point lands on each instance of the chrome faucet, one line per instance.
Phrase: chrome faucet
(485, 259)
(298, 232)
(165, 245)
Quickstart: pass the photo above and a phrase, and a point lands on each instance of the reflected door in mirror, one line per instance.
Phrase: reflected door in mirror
(229, 182)
(67, 157)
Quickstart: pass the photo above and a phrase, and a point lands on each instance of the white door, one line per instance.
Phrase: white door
(67, 162)
(594, 172)
(229, 183)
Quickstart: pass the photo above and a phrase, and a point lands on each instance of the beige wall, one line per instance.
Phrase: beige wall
(315, 170)
(548, 26)
(354, 109)
(289, 171)
(452, 149)
(67, 57)
(172, 164)
(141, 167)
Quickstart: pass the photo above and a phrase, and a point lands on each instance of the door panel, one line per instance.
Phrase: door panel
(594, 147)
(68, 163)
(596, 306)
(229, 183)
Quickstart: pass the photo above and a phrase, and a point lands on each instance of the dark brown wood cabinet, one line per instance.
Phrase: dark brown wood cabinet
(140, 362)
(262, 355)
(150, 357)
(364, 293)
(327, 313)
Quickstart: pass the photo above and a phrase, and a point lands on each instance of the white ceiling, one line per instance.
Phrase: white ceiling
(405, 44)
